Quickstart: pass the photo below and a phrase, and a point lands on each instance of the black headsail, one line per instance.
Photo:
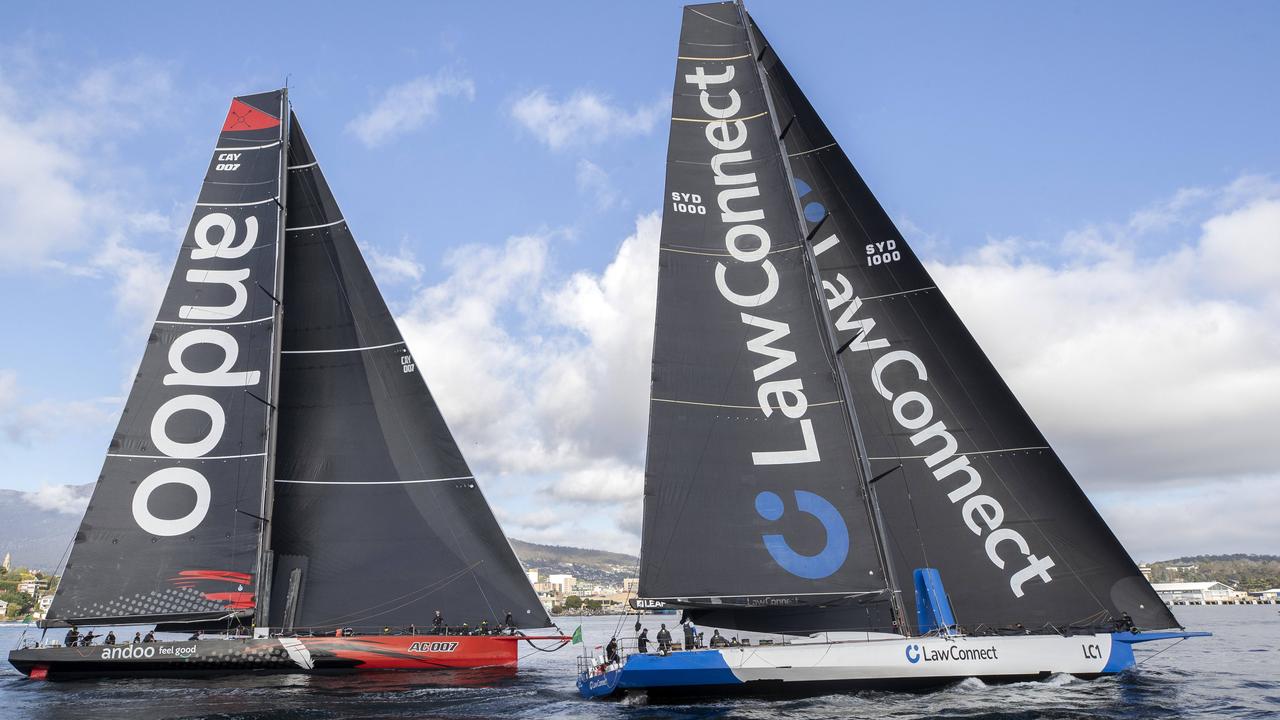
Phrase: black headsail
(968, 484)
(172, 530)
(754, 514)
(377, 519)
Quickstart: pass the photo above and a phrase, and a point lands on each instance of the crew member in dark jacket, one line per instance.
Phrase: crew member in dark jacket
(73, 637)
(642, 642)
(111, 638)
(151, 636)
(690, 637)
(137, 638)
(611, 651)
(664, 639)
(437, 624)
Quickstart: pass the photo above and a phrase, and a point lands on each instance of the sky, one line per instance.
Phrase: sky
(1095, 187)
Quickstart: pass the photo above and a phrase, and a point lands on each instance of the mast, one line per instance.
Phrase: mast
(264, 567)
(829, 340)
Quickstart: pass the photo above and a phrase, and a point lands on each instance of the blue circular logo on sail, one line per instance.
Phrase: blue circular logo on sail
(913, 653)
(812, 567)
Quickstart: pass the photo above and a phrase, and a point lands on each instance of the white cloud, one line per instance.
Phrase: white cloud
(66, 499)
(407, 106)
(24, 422)
(400, 267)
(1140, 367)
(544, 379)
(585, 118)
(595, 181)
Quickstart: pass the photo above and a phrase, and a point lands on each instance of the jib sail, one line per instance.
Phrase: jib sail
(752, 495)
(377, 519)
(172, 530)
(968, 484)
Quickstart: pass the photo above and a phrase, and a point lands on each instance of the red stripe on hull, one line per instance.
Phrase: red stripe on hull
(411, 652)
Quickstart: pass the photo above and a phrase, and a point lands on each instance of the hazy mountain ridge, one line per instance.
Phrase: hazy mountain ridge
(584, 564)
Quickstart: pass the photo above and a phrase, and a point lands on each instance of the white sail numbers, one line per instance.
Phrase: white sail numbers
(787, 395)
(209, 244)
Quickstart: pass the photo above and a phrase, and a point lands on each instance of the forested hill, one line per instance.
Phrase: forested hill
(1240, 570)
(595, 566)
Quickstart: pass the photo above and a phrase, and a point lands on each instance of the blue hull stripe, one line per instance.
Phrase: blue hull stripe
(677, 670)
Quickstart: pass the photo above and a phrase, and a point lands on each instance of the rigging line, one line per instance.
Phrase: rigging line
(243, 204)
(354, 615)
(695, 12)
(737, 407)
(249, 147)
(1153, 657)
(341, 350)
(313, 163)
(339, 221)
(373, 482)
(724, 120)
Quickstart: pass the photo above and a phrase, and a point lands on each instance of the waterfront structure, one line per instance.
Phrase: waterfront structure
(1195, 593)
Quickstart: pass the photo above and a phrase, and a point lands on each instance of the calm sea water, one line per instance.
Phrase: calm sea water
(1234, 674)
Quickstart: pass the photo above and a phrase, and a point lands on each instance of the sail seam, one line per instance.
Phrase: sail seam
(339, 221)
(742, 407)
(245, 204)
(374, 482)
(338, 350)
(725, 254)
(971, 452)
(203, 457)
(814, 150)
(735, 57)
(723, 120)
(904, 292)
(250, 147)
(190, 322)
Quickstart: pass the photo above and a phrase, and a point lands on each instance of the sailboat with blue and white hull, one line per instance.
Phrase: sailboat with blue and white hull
(828, 443)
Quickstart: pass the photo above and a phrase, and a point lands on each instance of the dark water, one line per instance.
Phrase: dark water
(1234, 674)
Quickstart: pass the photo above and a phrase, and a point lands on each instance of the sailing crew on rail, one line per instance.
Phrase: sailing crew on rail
(437, 623)
(664, 639)
(73, 637)
(111, 638)
(642, 642)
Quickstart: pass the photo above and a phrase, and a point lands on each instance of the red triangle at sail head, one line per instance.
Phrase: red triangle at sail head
(246, 117)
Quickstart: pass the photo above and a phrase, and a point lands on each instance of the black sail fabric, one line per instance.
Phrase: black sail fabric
(172, 531)
(377, 519)
(752, 496)
(968, 484)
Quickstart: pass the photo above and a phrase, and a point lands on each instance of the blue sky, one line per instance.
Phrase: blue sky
(1094, 184)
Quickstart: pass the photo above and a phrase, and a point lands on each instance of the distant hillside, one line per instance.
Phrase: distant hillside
(594, 566)
(1240, 570)
(37, 527)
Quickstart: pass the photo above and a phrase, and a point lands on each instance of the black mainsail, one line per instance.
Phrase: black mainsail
(279, 429)
(172, 530)
(964, 481)
(377, 518)
(752, 493)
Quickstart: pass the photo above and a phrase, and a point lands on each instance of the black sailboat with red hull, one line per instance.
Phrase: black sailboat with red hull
(281, 474)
